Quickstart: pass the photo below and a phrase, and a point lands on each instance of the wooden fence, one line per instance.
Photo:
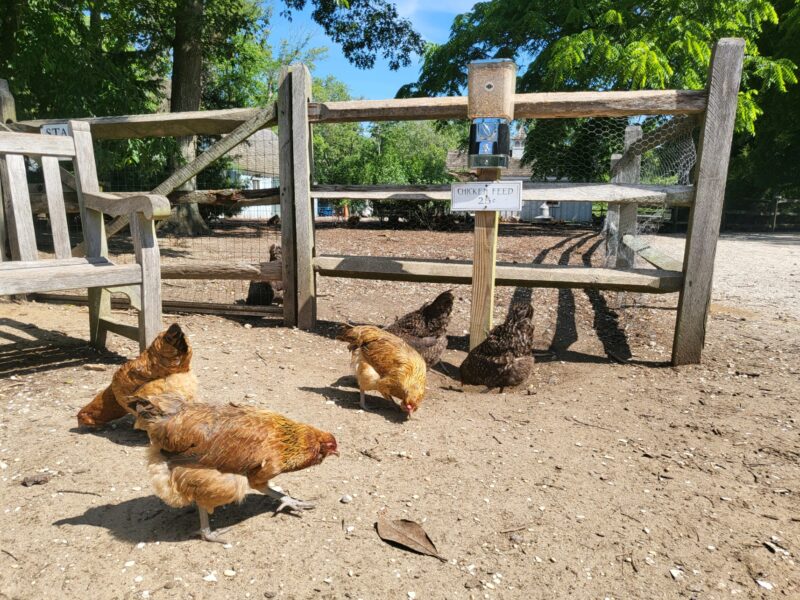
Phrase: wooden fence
(295, 113)
(715, 106)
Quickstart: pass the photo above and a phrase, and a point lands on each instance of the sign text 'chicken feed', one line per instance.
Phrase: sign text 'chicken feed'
(486, 195)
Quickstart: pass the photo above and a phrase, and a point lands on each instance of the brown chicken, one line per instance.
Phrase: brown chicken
(505, 358)
(212, 455)
(385, 363)
(425, 329)
(165, 366)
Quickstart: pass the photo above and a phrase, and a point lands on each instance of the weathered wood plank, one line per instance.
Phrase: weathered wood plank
(24, 281)
(8, 114)
(52, 262)
(264, 271)
(18, 207)
(669, 195)
(528, 106)
(176, 306)
(34, 144)
(540, 105)
(151, 206)
(94, 231)
(129, 331)
(725, 73)
(55, 207)
(143, 232)
(176, 124)
(652, 255)
(621, 218)
(460, 272)
(483, 268)
(286, 156)
(608, 104)
(226, 197)
(303, 207)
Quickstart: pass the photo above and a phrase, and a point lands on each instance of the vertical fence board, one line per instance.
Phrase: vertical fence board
(286, 174)
(621, 218)
(303, 209)
(725, 73)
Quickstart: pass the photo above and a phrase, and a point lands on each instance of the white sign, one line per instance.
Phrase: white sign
(55, 129)
(486, 195)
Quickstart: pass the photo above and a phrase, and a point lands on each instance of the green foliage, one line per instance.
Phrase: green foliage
(765, 164)
(609, 45)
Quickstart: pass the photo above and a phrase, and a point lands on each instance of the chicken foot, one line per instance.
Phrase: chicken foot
(286, 501)
(205, 529)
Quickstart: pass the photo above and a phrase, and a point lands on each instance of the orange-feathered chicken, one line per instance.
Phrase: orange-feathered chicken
(385, 363)
(164, 367)
(212, 455)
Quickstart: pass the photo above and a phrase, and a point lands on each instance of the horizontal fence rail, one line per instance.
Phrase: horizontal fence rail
(671, 195)
(536, 275)
(548, 105)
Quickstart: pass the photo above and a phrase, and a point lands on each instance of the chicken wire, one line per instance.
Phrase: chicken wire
(234, 236)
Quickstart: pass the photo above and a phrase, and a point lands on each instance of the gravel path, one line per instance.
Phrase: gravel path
(746, 271)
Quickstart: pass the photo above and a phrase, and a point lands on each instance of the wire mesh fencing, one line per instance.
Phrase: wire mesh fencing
(224, 233)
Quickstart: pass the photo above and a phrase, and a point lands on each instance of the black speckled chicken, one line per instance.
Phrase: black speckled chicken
(505, 358)
(425, 329)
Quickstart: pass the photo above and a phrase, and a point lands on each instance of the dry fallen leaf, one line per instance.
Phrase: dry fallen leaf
(407, 534)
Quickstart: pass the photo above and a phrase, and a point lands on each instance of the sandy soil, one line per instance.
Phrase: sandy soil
(599, 480)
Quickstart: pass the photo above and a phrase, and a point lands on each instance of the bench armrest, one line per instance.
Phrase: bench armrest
(151, 205)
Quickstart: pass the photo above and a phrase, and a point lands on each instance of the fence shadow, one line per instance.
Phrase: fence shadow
(26, 349)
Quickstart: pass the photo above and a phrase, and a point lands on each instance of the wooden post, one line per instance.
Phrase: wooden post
(621, 218)
(303, 206)
(8, 114)
(725, 73)
(491, 95)
(297, 216)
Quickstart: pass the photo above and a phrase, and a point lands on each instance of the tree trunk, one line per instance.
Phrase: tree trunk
(187, 67)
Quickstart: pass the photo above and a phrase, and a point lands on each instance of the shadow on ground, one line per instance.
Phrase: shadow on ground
(26, 349)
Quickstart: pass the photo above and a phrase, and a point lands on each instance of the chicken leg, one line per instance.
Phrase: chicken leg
(205, 529)
(286, 501)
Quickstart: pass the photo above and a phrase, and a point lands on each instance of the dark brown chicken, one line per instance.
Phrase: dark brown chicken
(263, 293)
(425, 329)
(164, 366)
(213, 455)
(505, 358)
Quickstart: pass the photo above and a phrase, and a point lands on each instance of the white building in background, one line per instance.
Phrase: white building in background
(256, 162)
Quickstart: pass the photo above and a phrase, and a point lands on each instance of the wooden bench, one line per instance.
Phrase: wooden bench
(25, 271)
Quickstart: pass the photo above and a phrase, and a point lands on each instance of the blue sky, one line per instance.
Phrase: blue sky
(431, 18)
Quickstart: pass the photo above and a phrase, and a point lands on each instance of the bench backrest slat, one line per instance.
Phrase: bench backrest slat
(55, 206)
(18, 207)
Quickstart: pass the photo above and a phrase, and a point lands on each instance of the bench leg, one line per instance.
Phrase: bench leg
(99, 308)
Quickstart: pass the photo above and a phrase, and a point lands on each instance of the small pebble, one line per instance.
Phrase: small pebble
(210, 577)
(130, 563)
(346, 499)
(676, 574)
(764, 584)
(138, 579)
(229, 573)
(411, 595)
(140, 545)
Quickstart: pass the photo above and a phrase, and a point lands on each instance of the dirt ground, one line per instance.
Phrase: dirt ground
(612, 475)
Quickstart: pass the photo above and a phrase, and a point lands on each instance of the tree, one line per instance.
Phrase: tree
(765, 164)
(608, 45)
